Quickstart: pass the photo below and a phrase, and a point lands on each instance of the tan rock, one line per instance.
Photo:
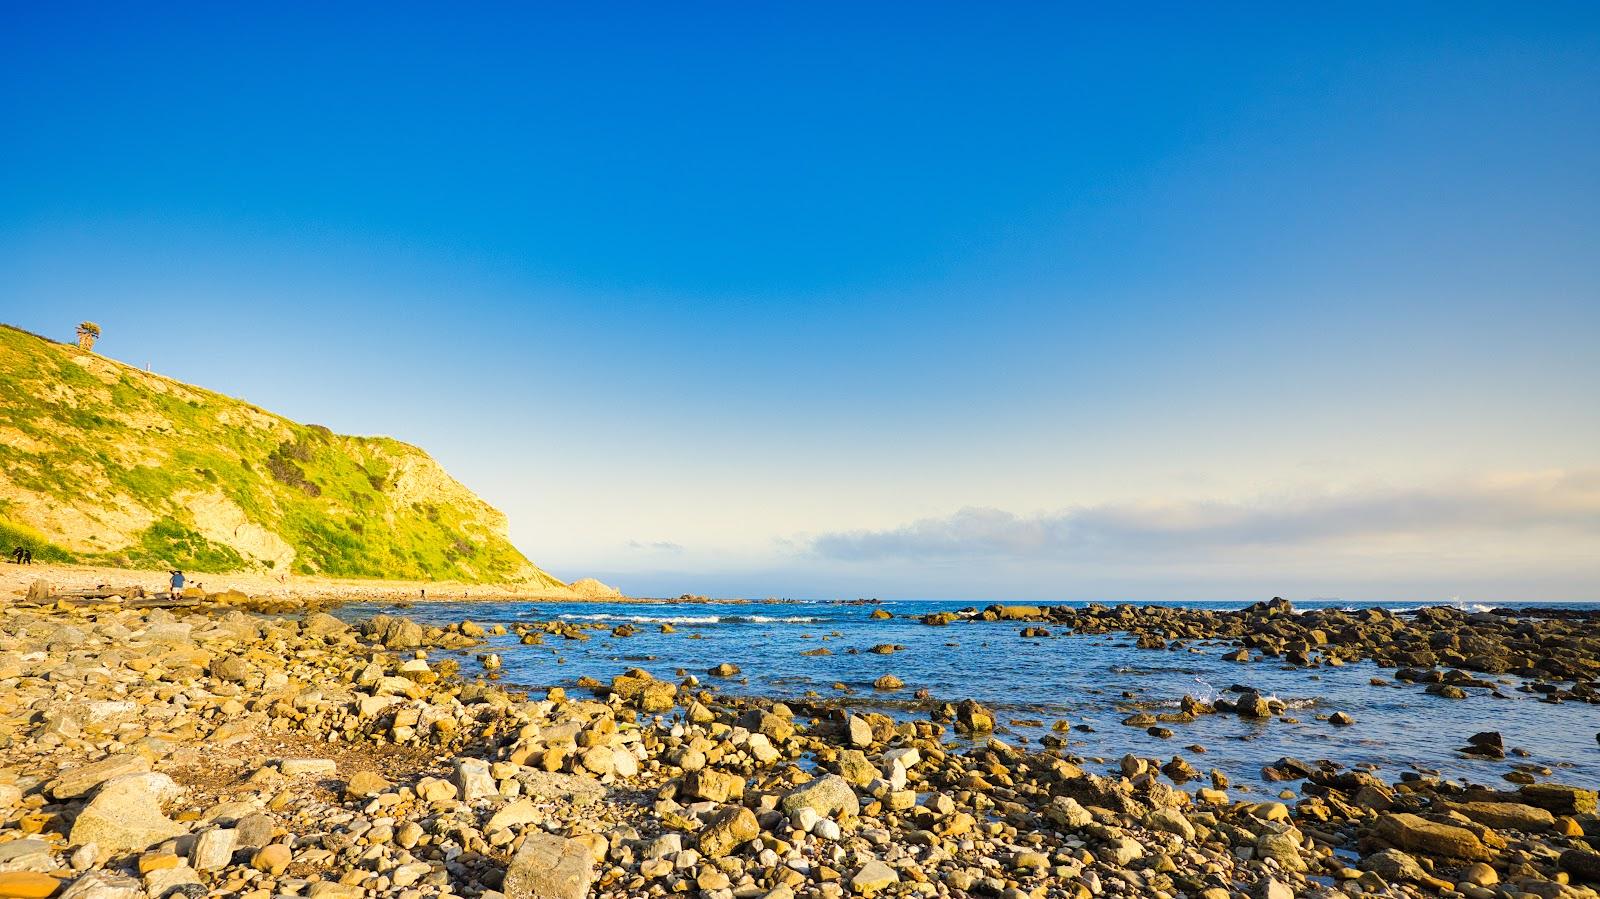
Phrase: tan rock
(728, 829)
(549, 867)
(27, 885)
(1416, 834)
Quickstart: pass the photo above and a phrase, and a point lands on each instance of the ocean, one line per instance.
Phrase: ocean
(1091, 681)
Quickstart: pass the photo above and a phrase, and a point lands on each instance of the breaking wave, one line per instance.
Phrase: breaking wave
(695, 619)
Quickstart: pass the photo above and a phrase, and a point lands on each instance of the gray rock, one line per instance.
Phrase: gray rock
(214, 848)
(549, 867)
(125, 815)
(27, 855)
(473, 780)
(321, 624)
(1393, 865)
(253, 831)
(827, 796)
(103, 885)
(860, 732)
(81, 781)
(230, 668)
(549, 786)
(872, 877)
(164, 882)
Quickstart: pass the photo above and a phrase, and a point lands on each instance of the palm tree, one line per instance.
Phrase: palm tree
(87, 333)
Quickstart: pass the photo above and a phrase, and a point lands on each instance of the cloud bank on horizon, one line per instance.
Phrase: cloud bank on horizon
(1554, 505)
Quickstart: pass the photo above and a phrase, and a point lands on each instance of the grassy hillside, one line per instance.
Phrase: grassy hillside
(102, 462)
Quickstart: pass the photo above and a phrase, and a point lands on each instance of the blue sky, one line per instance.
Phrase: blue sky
(896, 300)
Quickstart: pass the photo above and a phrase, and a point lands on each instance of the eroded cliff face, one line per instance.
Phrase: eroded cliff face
(103, 462)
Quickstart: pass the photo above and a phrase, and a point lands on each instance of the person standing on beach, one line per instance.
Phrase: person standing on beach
(177, 583)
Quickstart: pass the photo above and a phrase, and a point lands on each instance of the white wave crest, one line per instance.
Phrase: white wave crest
(694, 619)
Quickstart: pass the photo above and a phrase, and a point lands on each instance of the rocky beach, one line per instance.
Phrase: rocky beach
(219, 749)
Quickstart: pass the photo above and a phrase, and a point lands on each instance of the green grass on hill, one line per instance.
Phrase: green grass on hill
(105, 439)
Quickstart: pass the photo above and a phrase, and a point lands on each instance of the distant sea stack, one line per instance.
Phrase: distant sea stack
(103, 463)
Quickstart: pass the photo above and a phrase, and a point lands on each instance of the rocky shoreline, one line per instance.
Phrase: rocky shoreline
(214, 751)
(1557, 649)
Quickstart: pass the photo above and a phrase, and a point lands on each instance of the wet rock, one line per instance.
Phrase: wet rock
(1487, 744)
(972, 717)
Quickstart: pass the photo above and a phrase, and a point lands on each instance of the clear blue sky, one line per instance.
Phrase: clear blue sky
(870, 299)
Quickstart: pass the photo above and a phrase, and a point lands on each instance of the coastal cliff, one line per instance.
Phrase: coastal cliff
(101, 462)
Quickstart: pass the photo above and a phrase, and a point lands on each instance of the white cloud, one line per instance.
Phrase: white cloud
(1562, 507)
(659, 546)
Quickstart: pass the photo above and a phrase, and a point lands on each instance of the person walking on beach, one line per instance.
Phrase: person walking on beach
(177, 583)
(27, 556)
(16, 556)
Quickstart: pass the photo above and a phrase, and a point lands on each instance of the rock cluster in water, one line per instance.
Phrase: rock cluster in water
(144, 753)
(1437, 646)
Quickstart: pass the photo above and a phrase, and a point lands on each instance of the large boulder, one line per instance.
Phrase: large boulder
(321, 624)
(394, 631)
(125, 815)
(1504, 815)
(1416, 834)
(639, 688)
(549, 867)
(81, 781)
(827, 796)
(716, 786)
(1560, 798)
(727, 830)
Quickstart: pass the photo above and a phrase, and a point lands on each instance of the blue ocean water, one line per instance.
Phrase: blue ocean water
(1092, 681)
